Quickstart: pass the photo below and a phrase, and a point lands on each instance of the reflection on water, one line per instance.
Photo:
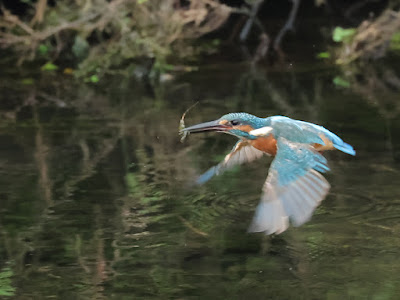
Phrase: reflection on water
(97, 201)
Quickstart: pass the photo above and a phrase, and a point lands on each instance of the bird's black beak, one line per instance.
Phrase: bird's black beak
(207, 126)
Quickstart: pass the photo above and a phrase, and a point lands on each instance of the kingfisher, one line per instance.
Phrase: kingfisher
(295, 185)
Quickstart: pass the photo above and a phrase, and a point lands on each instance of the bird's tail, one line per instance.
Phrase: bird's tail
(346, 148)
(336, 141)
(339, 144)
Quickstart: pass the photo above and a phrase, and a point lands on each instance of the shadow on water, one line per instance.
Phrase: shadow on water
(97, 202)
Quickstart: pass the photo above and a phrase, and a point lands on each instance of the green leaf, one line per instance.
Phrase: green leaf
(49, 67)
(7, 293)
(43, 49)
(395, 41)
(131, 182)
(342, 35)
(94, 78)
(324, 55)
(339, 81)
(6, 273)
(6, 288)
(141, 1)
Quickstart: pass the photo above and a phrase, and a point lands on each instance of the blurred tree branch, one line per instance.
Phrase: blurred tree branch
(372, 38)
(39, 14)
(288, 26)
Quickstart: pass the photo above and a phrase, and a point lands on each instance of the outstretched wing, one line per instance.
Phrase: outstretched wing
(241, 153)
(293, 189)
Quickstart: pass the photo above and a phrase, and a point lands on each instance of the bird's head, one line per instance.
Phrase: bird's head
(237, 124)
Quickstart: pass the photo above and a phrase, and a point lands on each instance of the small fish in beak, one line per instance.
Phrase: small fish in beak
(207, 126)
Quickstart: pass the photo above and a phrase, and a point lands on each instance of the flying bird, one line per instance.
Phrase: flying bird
(294, 186)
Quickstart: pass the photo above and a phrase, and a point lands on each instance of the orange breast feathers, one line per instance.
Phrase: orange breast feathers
(266, 144)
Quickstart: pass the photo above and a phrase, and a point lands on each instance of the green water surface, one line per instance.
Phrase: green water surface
(97, 201)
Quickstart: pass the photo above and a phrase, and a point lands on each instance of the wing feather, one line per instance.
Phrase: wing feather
(241, 153)
(293, 189)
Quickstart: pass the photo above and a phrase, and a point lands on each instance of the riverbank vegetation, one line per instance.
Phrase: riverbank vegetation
(91, 38)
(107, 36)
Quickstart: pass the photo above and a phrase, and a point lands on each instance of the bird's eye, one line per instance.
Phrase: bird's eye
(235, 122)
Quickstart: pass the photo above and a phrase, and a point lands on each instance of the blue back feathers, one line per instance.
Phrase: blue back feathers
(307, 133)
(290, 129)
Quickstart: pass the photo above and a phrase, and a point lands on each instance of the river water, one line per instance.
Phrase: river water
(97, 200)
